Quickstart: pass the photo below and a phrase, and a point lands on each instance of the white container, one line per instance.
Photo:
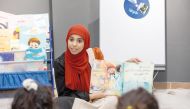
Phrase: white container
(20, 66)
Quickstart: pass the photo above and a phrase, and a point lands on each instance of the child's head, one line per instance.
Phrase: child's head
(32, 96)
(137, 99)
(34, 42)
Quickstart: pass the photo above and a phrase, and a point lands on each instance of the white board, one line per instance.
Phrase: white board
(123, 37)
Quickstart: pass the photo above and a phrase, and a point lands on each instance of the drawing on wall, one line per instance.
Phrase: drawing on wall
(136, 8)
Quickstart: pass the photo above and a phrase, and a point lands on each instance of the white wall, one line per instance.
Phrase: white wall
(123, 37)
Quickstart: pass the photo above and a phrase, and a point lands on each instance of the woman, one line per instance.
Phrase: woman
(72, 68)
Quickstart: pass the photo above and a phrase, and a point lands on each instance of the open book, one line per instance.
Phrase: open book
(102, 81)
(131, 76)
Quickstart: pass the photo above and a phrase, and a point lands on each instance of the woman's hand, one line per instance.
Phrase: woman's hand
(111, 68)
(97, 95)
(135, 60)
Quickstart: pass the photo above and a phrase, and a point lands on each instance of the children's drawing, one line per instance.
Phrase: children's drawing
(35, 52)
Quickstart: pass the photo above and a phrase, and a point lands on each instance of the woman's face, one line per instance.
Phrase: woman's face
(75, 44)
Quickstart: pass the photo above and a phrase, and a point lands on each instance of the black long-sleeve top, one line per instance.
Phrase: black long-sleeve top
(59, 67)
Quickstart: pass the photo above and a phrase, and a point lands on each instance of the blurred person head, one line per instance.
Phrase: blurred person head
(137, 99)
(32, 96)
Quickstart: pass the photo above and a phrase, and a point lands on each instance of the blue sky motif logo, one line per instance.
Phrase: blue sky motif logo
(136, 8)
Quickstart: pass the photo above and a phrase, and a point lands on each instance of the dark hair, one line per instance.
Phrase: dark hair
(137, 99)
(39, 99)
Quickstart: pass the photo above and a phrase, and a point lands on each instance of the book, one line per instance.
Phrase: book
(7, 20)
(33, 35)
(5, 35)
(137, 75)
(27, 37)
(33, 26)
(25, 27)
(99, 80)
(102, 81)
(29, 32)
(6, 56)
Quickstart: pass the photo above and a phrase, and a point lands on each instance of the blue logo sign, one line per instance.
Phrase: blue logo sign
(136, 8)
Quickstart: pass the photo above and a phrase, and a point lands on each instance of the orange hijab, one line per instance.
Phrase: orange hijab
(77, 68)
